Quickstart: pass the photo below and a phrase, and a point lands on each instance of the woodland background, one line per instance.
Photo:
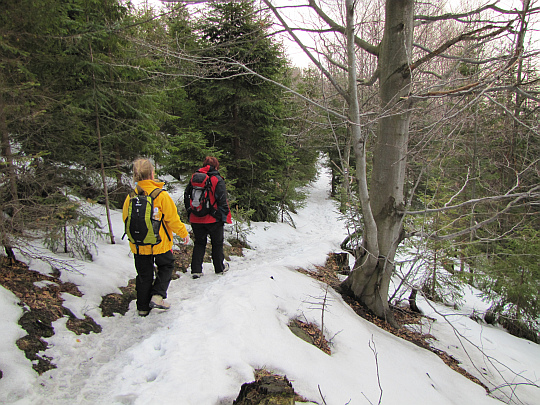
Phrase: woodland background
(86, 86)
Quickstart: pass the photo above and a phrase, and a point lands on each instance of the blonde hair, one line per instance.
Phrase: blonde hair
(142, 170)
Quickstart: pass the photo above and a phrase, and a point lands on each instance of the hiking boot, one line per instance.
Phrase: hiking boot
(158, 302)
(196, 275)
(144, 313)
(225, 268)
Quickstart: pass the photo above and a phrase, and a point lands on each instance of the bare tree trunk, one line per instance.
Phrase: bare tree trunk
(344, 198)
(6, 152)
(236, 136)
(118, 169)
(10, 174)
(365, 265)
(370, 279)
(383, 205)
(434, 275)
(412, 301)
(519, 98)
(102, 165)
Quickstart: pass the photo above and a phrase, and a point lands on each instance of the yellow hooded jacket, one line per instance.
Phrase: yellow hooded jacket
(165, 208)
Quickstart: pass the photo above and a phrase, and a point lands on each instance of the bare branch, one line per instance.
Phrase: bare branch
(478, 225)
(321, 394)
(236, 69)
(461, 189)
(530, 194)
(510, 114)
(467, 36)
(375, 354)
(460, 58)
(366, 46)
(327, 74)
(455, 16)
(489, 359)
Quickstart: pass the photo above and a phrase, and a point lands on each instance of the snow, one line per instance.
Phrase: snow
(220, 329)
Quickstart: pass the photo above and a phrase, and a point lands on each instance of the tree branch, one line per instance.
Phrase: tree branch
(455, 16)
(530, 194)
(366, 46)
(467, 36)
(489, 359)
(327, 74)
(478, 225)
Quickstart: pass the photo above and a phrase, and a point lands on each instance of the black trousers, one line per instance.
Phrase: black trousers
(146, 284)
(201, 233)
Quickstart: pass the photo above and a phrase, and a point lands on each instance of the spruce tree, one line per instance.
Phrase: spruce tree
(242, 113)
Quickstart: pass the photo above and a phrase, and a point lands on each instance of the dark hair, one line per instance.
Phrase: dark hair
(212, 161)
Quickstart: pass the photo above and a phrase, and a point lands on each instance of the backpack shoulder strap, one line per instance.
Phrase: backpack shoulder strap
(212, 188)
(155, 192)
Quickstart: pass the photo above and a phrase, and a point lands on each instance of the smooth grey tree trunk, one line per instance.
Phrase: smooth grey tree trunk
(370, 279)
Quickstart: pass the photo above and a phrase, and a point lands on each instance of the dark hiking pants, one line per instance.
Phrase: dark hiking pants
(201, 233)
(146, 284)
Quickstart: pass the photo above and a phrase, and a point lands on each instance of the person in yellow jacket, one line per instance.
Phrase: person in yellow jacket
(151, 291)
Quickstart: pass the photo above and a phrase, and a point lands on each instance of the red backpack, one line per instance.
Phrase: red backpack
(199, 198)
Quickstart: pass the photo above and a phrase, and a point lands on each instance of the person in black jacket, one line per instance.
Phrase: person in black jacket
(210, 224)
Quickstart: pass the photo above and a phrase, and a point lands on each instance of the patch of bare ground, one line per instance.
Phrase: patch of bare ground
(268, 388)
(40, 298)
(311, 333)
(404, 316)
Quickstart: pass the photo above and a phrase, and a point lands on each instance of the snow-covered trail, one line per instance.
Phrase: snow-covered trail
(318, 232)
(221, 328)
(176, 350)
